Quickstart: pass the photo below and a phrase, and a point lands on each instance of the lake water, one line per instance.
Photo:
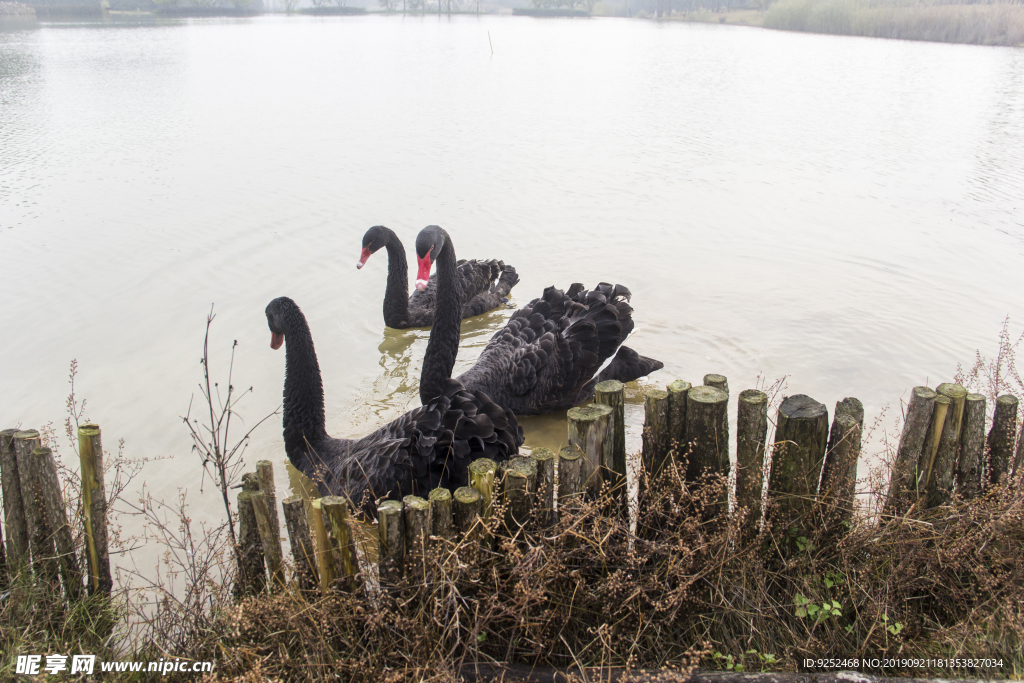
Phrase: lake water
(844, 212)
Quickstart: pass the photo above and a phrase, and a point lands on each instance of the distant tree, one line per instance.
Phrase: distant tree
(389, 5)
(289, 5)
(319, 3)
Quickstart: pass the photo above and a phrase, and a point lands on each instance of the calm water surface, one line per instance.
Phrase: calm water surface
(845, 212)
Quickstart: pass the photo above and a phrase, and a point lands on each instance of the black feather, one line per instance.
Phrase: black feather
(427, 447)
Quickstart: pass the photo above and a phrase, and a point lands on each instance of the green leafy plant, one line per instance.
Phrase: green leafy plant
(762, 661)
(833, 578)
(893, 628)
(806, 608)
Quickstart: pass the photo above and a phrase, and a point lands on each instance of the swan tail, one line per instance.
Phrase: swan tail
(485, 285)
(476, 277)
(433, 445)
(628, 365)
(607, 305)
(508, 279)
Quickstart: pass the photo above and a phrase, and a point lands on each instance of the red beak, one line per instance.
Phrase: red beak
(276, 340)
(424, 272)
(362, 258)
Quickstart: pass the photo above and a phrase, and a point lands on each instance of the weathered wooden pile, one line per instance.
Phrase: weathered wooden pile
(943, 451)
(38, 534)
(813, 466)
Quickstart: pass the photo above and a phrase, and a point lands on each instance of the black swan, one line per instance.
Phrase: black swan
(427, 447)
(485, 284)
(550, 354)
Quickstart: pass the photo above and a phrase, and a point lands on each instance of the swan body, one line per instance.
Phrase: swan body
(484, 285)
(428, 447)
(551, 353)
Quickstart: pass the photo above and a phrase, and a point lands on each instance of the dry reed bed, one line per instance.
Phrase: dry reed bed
(684, 586)
(979, 24)
(949, 582)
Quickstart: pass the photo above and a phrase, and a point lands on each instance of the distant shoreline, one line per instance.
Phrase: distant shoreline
(997, 24)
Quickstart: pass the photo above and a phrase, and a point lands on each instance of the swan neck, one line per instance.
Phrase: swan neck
(303, 416)
(396, 296)
(443, 347)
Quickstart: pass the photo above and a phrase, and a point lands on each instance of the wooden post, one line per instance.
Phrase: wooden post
(391, 530)
(265, 473)
(3, 564)
(656, 431)
(324, 557)
(1000, 438)
(250, 482)
(46, 475)
(853, 407)
(15, 522)
(612, 393)
(466, 509)
(570, 478)
(266, 517)
(253, 577)
(94, 508)
(25, 442)
(718, 382)
(303, 554)
(441, 513)
(839, 473)
(678, 445)
(944, 468)
(801, 434)
(751, 437)
(545, 459)
(589, 428)
(339, 537)
(912, 442)
(520, 487)
(481, 477)
(416, 512)
(54, 518)
(707, 428)
(268, 539)
(1018, 465)
(972, 448)
(931, 447)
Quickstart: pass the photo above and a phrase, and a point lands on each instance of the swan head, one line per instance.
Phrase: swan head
(429, 244)
(278, 312)
(375, 238)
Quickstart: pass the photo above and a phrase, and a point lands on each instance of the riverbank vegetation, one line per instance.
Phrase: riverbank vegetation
(684, 587)
(999, 23)
(978, 23)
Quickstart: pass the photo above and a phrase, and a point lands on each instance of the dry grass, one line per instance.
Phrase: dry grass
(680, 588)
(980, 24)
(587, 592)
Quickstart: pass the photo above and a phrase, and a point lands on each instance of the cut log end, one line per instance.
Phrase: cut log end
(595, 411)
(609, 386)
(707, 394)
(753, 397)
(717, 381)
(440, 495)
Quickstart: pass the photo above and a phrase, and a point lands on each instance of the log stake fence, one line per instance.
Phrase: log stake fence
(809, 464)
